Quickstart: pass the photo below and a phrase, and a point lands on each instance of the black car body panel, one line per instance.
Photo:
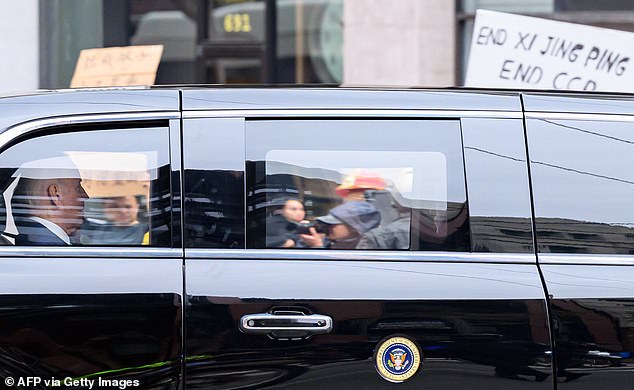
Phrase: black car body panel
(46, 105)
(113, 318)
(517, 274)
(370, 296)
(111, 313)
(578, 103)
(580, 150)
(592, 309)
(481, 332)
(343, 98)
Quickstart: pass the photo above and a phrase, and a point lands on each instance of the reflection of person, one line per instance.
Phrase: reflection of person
(354, 187)
(281, 227)
(48, 211)
(293, 210)
(394, 235)
(345, 224)
(122, 210)
(122, 226)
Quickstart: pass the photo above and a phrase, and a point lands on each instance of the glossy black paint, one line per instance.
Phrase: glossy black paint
(582, 185)
(572, 102)
(582, 179)
(468, 334)
(595, 342)
(105, 317)
(116, 318)
(592, 310)
(346, 98)
(492, 331)
(461, 340)
(176, 183)
(15, 110)
(122, 336)
(214, 182)
(485, 325)
(497, 184)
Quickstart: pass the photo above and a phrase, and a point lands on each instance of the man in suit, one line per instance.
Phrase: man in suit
(47, 211)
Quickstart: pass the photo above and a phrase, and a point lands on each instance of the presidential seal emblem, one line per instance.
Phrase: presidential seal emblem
(397, 358)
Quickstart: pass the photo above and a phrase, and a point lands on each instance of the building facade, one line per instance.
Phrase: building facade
(351, 42)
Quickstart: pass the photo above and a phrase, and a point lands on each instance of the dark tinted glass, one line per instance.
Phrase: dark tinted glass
(497, 181)
(356, 184)
(214, 183)
(583, 185)
(105, 187)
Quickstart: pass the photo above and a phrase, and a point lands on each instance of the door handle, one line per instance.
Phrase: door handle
(286, 326)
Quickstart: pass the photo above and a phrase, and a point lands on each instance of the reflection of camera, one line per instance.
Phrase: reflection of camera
(304, 227)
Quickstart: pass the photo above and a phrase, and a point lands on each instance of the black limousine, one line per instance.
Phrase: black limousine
(311, 238)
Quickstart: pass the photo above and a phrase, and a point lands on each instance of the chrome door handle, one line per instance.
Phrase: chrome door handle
(286, 325)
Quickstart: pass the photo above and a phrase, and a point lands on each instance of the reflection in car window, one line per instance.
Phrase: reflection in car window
(106, 187)
(583, 185)
(213, 157)
(356, 184)
(500, 212)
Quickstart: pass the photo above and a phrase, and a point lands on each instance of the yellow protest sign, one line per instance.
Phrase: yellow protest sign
(117, 66)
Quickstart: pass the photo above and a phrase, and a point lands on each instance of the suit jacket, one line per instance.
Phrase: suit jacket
(34, 233)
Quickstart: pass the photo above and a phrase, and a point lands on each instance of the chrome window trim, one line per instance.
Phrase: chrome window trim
(360, 255)
(90, 252)
(584, 259)
(288, 113)
(579, 116)
(21, 129)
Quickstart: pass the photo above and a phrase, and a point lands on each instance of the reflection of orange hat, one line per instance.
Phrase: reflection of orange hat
(352, 183)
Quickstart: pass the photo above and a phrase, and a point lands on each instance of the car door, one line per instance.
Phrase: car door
(580, 149)
(434, 284)
(104, 308)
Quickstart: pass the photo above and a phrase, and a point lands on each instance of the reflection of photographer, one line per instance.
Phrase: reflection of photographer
(304, 227)
(285, 225)
(344, 226)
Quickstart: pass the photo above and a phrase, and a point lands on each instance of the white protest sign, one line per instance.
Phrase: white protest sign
(513, 51)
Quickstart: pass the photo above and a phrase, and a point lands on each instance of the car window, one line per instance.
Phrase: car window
(213, 155)
(356, 184)
(583, 185)
(96, 188)
(497, 185)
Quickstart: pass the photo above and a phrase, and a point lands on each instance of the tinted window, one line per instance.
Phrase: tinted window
(497, 183)
(356, 184)
(214, 182)
(105, 187)
(583, 185)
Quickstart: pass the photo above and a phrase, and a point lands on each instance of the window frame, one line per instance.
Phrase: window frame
(380, 115)
(202, 254)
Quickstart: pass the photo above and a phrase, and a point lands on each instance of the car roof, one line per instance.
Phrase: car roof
(20, 108)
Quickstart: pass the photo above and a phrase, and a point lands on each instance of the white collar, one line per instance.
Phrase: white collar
(54, 228)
